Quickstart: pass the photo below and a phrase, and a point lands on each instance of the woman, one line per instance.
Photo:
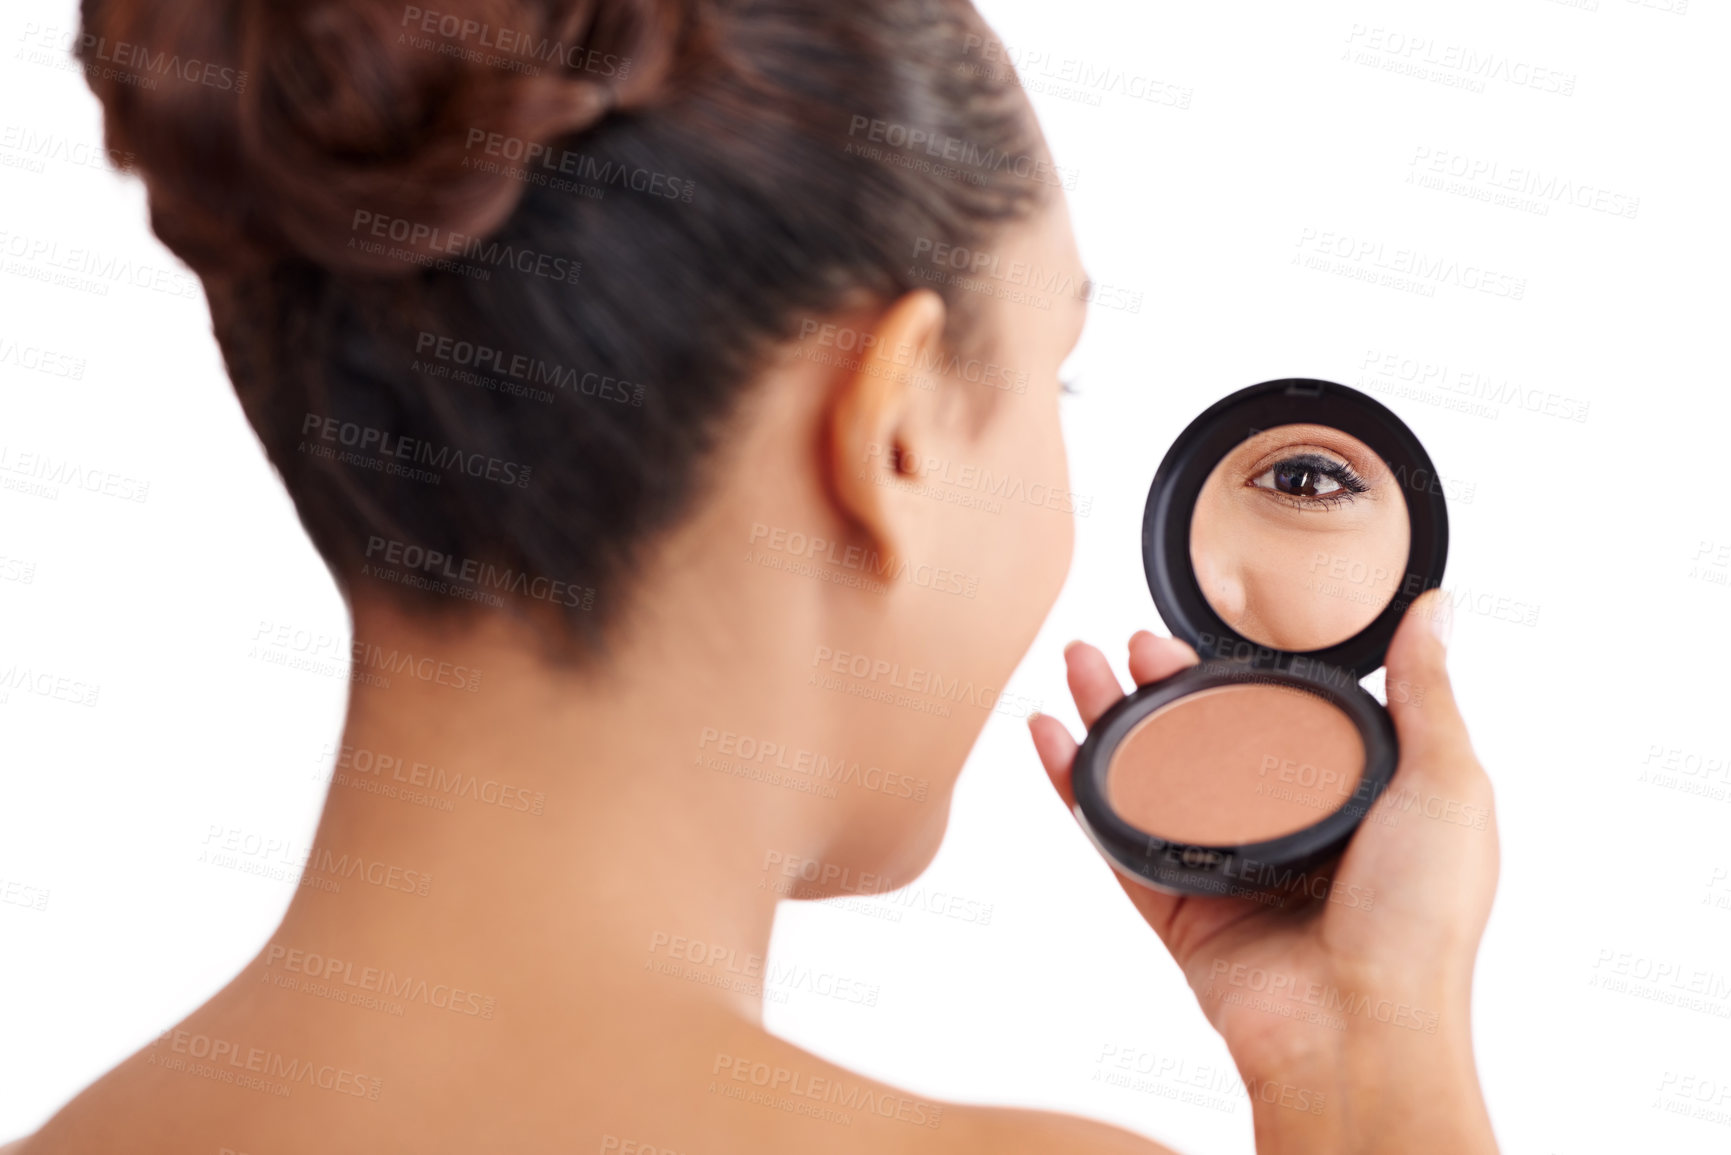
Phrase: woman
(599, 346)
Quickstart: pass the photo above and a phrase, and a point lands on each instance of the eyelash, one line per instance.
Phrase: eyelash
(1067, 386)
(1351, 484)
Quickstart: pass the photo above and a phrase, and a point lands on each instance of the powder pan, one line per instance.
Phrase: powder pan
(1278, 864)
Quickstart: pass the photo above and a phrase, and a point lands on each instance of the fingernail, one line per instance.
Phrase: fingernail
(1442, 618)
(1032, 714)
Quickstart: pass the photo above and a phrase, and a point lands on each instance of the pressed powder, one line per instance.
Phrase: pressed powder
(1235, 765)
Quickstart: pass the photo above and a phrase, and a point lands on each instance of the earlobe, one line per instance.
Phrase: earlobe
(878, 418)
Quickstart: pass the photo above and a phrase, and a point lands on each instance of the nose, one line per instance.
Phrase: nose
(1224, 587)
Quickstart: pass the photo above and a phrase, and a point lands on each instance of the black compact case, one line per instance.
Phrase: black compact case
(1229, 659)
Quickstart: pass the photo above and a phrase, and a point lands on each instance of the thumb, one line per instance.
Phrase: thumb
(1420, 697)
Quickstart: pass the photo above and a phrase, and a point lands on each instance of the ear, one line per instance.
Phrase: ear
(879, 417)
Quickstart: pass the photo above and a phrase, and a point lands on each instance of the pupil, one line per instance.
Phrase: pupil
(1299, 479)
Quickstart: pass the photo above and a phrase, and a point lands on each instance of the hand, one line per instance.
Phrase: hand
(1367, 990)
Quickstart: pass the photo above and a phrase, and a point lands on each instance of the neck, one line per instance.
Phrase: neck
(565, 827)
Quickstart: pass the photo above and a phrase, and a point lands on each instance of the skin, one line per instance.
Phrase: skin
(1299, 572)
(556, 916)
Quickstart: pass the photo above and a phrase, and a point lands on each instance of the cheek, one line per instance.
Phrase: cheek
(1278, 568)
(1276, 560)
(1315, 589)
(1022, 529)
(1388, 547)
(1049, 532)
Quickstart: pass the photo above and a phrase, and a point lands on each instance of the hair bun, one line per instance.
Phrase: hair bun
(266, 127)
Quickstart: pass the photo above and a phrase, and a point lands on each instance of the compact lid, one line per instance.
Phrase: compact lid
(1290, 526)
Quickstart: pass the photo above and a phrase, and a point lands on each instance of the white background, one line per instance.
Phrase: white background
(1593, 530)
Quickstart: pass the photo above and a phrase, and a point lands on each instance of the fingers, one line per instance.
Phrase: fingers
(1153, 659)
(1057, 751)
(1095, 688)
(1420, 697)
(1092, 682)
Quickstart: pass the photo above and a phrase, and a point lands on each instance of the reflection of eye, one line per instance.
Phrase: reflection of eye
(1310, 479)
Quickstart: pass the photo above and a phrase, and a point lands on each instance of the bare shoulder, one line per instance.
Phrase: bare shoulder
(1008, 1131)
(15, 1147)
(806, 1094)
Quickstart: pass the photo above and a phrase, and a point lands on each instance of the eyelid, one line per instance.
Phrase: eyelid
(1287, 452)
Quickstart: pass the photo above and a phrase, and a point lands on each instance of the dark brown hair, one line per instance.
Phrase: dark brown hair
(489, 276)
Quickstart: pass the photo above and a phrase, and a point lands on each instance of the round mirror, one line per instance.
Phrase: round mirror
(1300, 537)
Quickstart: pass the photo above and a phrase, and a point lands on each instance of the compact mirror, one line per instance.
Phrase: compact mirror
(1286, 534)
(1300, 537)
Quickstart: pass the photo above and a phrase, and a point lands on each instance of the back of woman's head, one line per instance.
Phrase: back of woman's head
(489, 276)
